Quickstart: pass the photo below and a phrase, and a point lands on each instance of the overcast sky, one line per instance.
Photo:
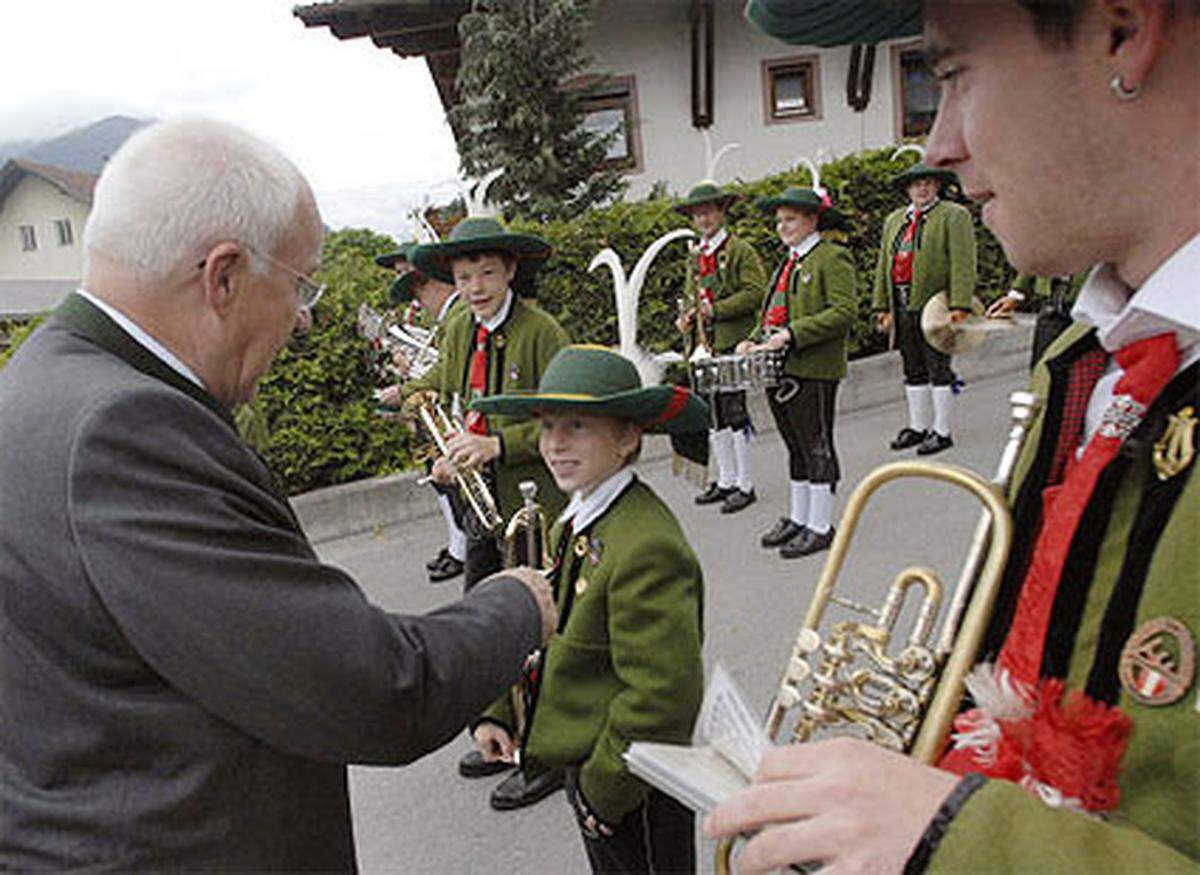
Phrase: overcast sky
(364, 125)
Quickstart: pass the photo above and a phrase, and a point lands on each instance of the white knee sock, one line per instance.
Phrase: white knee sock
(920, 407)
(722, 446)
(741, 455)
(943, 402)
(800, 501)
(458, 541)
(820, 507)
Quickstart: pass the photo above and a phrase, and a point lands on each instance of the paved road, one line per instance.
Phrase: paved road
(426, 819)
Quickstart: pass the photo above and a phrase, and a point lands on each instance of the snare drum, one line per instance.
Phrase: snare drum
(704, 376)
(765, 366)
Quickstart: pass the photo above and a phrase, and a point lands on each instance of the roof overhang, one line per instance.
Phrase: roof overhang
(410, 28)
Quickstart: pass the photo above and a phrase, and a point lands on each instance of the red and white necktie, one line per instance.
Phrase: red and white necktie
(476, 422)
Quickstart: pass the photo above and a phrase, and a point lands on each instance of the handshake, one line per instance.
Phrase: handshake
(537, 584)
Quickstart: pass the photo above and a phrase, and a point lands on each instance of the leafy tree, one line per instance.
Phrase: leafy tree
(521, 108)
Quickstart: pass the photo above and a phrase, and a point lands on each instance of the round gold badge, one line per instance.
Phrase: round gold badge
(581, 586)
(1158, 662)
(581, 546)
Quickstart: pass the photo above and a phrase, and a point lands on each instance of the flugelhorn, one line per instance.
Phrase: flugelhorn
(470, 482)
(848, 679)
(526, 543)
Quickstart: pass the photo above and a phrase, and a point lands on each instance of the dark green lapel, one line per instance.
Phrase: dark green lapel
(82, 317)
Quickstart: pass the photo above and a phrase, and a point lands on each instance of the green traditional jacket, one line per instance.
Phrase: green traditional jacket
(944, 261)
(431, 380)
(1147, 542)
(518, 352)
(822, 304)
(736, 289)
(626, 662)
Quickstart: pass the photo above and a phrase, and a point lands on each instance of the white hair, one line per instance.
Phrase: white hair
(178, 187)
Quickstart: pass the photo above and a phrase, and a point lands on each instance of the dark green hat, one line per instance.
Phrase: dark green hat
(404, 253)
(841, 23)
(807, 199)
(706, 192)
(479, 234)
(595, 379)
(921, 170)
(404, 287)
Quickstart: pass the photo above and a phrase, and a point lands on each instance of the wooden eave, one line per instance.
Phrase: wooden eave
(410, 28)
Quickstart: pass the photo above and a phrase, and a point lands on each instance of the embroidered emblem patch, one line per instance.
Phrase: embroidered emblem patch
(1158, 662)
(1174, 451)
(595, 549)
(581, 586)
(581, 546)
(514, 372)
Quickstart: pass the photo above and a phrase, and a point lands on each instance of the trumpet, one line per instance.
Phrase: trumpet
(470, 482)
(416, 343)
(849, 679)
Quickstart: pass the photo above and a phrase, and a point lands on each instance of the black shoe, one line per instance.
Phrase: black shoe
(437, 560)
(934, 443)
(909, 437)
(738, 500)
(806, 543)
(520, 789)
(714, 494)
(473, 765)
(783, 532)
(447, 568)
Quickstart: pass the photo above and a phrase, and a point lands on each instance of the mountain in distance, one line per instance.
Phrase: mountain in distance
(85, 149)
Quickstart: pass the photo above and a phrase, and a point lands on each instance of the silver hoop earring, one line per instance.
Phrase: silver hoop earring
(1121, 90)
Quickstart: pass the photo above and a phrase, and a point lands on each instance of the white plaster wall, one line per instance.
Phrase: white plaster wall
(36, 202)
(651, 39)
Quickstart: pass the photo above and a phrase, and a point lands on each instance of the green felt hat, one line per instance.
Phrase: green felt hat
(481, 234)
(808, 200)
(921, 170)
(598, 380)
(404, 288)
(404, 253)
(706, 192)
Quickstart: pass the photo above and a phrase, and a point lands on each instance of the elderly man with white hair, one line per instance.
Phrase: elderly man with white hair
(184, 681)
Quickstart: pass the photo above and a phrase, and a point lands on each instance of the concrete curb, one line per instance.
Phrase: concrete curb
(369, 505)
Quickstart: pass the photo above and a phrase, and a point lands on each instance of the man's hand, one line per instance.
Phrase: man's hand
(494, 743)
(391, 396)
(706, 308)
(684, 321)
(846, 803)
(744, 347)
(1001, 308)
(883, 322)
(540, 587)
(469, 450)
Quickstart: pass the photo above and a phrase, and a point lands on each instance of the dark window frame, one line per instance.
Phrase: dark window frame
(771, 70)
(66, 236)
(617, 92)
(911, 52)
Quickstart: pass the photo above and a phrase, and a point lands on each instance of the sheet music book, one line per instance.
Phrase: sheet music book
(728, 745)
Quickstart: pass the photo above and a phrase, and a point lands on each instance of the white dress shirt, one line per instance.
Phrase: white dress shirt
(144, 339)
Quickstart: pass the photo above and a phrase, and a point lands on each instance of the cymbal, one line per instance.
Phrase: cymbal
(956, 338)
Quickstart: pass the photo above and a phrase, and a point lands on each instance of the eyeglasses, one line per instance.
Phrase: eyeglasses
(308, 290)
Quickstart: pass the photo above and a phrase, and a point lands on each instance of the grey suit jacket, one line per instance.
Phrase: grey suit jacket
(182, 681)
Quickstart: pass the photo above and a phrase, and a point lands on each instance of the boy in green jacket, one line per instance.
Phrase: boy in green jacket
(723, 287)
(502, 345)
(927, 247)
(625, 664)
(808, 310)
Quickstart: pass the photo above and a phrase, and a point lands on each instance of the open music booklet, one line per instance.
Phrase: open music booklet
(728, 744)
